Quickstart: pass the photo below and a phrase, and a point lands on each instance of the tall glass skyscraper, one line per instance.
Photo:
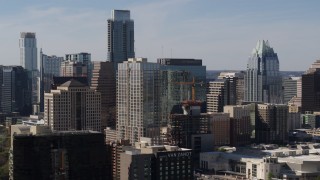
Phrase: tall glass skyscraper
(120, 36)
(263, 79)
(29, 61)
(28, 50)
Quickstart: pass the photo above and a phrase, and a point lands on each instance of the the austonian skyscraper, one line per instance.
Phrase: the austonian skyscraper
(120, 37)
(263, 79)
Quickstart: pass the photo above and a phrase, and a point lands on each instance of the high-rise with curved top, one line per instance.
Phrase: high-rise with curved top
(263, 79)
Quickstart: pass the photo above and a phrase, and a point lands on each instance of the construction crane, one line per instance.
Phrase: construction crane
(193, 83)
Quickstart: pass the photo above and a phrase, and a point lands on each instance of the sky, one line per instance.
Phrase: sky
(220, 32)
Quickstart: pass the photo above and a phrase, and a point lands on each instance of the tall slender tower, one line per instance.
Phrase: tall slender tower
(28, 60)
(263, 79)
(28, 51)
(120, 36)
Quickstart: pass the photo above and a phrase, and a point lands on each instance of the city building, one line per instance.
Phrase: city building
(29, 61)
(290, 86)
(240, 124)
(265, 162)
(73, 106)
(104, 82)
(28, 51)
(138, 100)
(219, 126)
(232, 85)
(262, 79)
(310, 99)
(79, 59)
(156, 162)
(182, 126)
(120, 37)
(178, 78)
(271, 124)
(217, 95)
(15, 90)
(37, 153)
(49, 68)
(74, 69)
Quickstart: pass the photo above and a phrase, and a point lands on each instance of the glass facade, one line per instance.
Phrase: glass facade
(262, 79)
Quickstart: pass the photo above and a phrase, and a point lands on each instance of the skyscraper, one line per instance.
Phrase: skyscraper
(28, 50)
(80, 59)
(262, 79)
(216, 97)
(120, 36)
(271, 125)
(16, 92)
(49, 68)
(72, 106)
(29, 61)
(138, 100)
(176, 83)
(310, 99)
(104, 81)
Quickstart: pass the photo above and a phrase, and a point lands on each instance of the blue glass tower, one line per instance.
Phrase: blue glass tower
(263, 79)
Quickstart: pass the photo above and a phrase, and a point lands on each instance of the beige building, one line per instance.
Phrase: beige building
(216, 96)
(73, 106)
(74, 69)
(138, 100)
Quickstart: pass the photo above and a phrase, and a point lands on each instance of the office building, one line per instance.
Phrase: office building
(104, 82)
(289, 85)
(81, 59)
(183, 126)
(156, 162)
(240, 125)
(29, 61)
(219, 126)
(49, 68)
(73, 106)
(16, 90)
(271, 125)
(178, 78)
(217, 95)
(120, 37)
(310, 99)
(59, 155)
(73, 69)
(138, 100)
(262, 79)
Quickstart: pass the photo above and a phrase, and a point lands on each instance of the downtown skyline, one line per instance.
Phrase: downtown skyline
(220, 33)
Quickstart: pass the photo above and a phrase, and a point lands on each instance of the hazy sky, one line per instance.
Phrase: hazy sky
(221, 32)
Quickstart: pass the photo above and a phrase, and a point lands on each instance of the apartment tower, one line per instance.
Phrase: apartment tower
(138, 100)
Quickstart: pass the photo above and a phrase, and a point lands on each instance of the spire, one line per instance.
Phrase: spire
(261, 47)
